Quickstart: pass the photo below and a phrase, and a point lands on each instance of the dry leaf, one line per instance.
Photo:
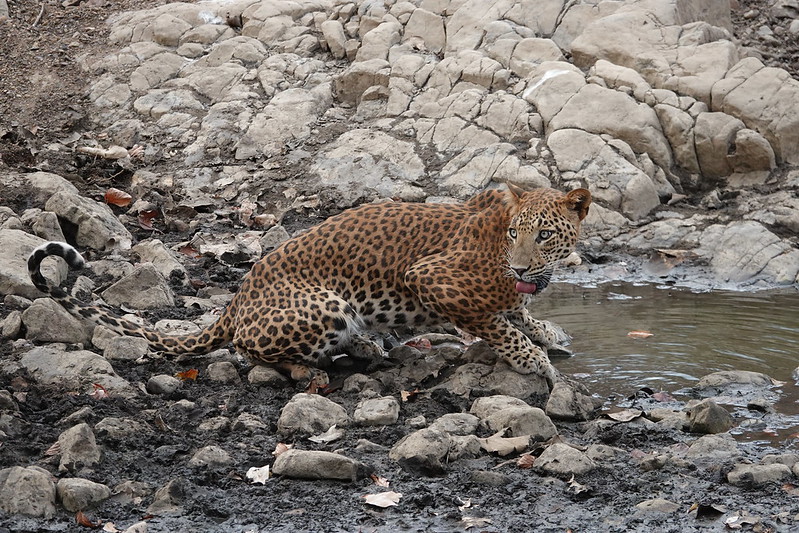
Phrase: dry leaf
(790, 489)
(407, 395)
(281, 447)
(639, 334)
(663, 397)
(420, 344)
(333, 433)
(55, 449)
(502, 446)
(473, 521)
(625, 415)
(259, 475)
(525, 460)
(112, 152)
(379, 481)
(188, 375)
(99, 392)
(737, 521)
(110, 527)
(383, 499)
(83, 520)
(118, 198)
(188, 250)
(146, 219)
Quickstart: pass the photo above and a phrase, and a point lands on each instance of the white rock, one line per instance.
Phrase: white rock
(377, 411)
(98, 227)
(310, 414)
(144, 288)
(14, 279)
(78, 449)
(28, 491)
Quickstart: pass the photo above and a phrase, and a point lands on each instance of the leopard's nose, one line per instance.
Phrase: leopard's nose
(520, 270)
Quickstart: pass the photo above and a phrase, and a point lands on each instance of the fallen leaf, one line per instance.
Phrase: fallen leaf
(502, 446)
(379, 481)
(258, 475)
(737, 521)
(625, 415)
(99, 392)
(333, 433)
(112, 152)
(146, 219)
(464, 504)
(188, 375)
(663, 397)
(281, 447)
(525, 460)
(21, 397)
(473, 521)
(110, 527)
(577, 488)
(408, 395)
(638, 454)
(420, 344)
(188, 250)
(83, 520)
(639, 334)
(383, 499)
(707, 510)
(55, 449)
(790, 489)
(118, 198)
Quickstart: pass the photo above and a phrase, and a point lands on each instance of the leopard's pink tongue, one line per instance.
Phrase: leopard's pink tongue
(527, 288)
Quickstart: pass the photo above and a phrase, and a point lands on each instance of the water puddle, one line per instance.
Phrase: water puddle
(693, 334)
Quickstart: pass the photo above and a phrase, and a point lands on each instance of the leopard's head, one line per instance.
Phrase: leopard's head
(544, 227)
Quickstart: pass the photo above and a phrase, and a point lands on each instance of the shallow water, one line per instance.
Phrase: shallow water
(693, 334)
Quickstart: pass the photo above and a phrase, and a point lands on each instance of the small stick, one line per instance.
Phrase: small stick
(38, 18)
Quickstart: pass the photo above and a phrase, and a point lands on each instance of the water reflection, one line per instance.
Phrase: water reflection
(693, 334)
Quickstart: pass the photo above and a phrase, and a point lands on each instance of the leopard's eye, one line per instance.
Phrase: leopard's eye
(545, 234)
(512, 233)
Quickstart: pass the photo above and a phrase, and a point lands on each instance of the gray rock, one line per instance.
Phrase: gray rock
(249, 422)
(154, 251)
(17, 246)
(214, 425)
(223, 372)
(566, 403)
(266, 375)
(456, 424)
(46, 184)
(788, 459)
(168, 500)
(47, 321)
(78, 449)
(98, 227)
(274, 237)
(78, 494)
(488, 405)
(360, 383)
(713, 449)
(487, 477)
(744, 475)
(709, 417)
(11, 325)
(211, 457)
(52, 364)
(144, 288)
(163, 384)
(46, 226)
(119, 428)
(7, 402)
(563, 461)
(124, 348)
(138, 527)
(377, 411)
(658, 505)
(463, 447)
(738, 377)
(423, 451)
(28, 491)
(495, 380)
(333, 32)
(310, 414)
(304, 464)
(522, 421)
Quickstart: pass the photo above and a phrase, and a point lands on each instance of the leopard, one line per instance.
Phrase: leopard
(476, 265)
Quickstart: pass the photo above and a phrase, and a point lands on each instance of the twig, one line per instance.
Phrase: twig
(38, 18)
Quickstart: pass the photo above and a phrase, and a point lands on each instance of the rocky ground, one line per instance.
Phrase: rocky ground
(233, 125)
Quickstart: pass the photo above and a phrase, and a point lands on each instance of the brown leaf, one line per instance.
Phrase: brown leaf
(282, 447)
(118, 198)
(146, 218)
(83, 520)
(502, 445)
(625, 415)
(99, 392)
(188, 375)
(55, 449)
(663, 397)
(383, 499)
(640, 334)
(409, 395)
(420, 344)
(525, 460)
(790, 489)
(379, 481)
(188, 250)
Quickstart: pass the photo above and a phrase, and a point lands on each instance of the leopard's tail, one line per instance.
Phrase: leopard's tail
(211, 337)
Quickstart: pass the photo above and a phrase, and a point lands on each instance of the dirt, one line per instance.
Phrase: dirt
(43, 101)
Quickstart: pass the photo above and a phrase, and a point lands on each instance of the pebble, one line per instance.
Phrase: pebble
(78, 494)
(28, 491)
(306, 464)
(562, 460)
(163, 385)
(79, 449)
(310, 414)
(377, 411)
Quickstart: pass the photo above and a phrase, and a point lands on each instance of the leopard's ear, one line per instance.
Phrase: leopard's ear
(515, 190)
(578, 200)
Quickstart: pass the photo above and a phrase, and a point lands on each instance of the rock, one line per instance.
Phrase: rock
(714, 138)
(377, 411)
(268, 376)
(427, 27)
(114, 428)
(211, 457)
(362, 384)
(51, 364)
(724, 378)
(566, 403)
(77, 494)
(787, 459)
(333, 33)
(28, 491)
(144, 288)
(713, 449)
(563, 461)
(464, 447)
(163, 385)
(11, 325)
(14, 279)
(310, 414)
(522, 421)
(658, 505)
(79, 449)
(423, 451)
(487, 477)
(274, 237)
(45, 184)
(460, 424)
(154, 251)
(47, 321)
(98, 227)
(124, 348)
(351, 84)
(168, 500)
(223, 372)
(709, 417)
(249, 422)
(744, 475)
(488, 405)
(46, 226)
(376, 43)
(499, 379)
(304, 464)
